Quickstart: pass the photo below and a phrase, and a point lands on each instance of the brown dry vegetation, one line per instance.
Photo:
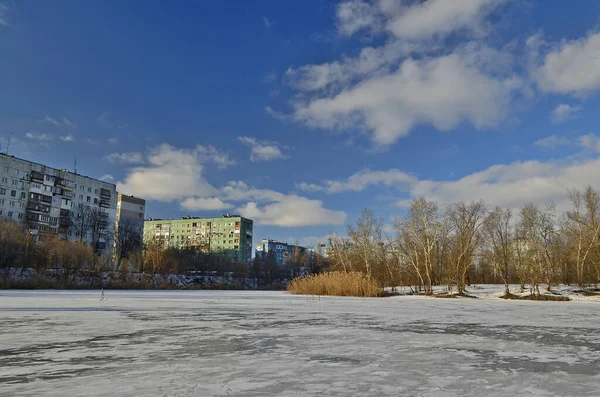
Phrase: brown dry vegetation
(336, 284)
(536, 297)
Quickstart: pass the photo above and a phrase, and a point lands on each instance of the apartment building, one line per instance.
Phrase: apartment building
(230, 235)
(49, 199)
(282, 251)
(130, 213)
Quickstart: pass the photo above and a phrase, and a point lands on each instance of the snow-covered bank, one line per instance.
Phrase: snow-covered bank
(253, 343)
(27, 278)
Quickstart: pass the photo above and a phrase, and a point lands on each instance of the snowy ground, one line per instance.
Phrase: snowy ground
(213, 343)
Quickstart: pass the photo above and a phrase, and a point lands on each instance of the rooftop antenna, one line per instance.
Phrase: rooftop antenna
(75, 166)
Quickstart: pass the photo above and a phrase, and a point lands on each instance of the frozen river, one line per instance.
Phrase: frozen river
(213, 343)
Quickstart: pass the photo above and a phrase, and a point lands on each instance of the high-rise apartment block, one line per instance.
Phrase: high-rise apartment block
(230, 235)
(130, 217)
(281, 251)
(49, 200)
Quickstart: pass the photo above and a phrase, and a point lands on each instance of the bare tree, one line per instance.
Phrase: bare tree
(464, 221)
(419, 234)
(584, 227)
(81, 221)
(128, 241)
(497, 227)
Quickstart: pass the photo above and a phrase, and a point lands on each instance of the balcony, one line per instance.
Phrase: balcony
(105, 193)
(64, 183)
(104, 203)
(33, 207)
(37, 176)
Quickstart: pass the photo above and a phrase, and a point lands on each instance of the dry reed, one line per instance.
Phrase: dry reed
(336, 284)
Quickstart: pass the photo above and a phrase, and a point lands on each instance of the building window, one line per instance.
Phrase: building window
(81, 197)
(23, 195)
(2, 191)
(89, 199)
(1, 201)
(96, 191)
(95, 200)
(82, 188)
(15, 182)
(16, 172)
(4, 180)
(48, 188)
(20, 216)
(6, 169)
(89, 189)
(9, 214)
(13, 193)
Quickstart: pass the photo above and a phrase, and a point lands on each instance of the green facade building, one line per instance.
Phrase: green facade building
(230, 235)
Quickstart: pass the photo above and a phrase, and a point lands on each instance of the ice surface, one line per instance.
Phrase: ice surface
(217, 343)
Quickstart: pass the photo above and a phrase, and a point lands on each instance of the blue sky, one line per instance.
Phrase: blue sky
(300, 114)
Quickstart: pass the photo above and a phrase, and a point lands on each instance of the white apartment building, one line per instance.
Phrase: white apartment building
(46, 199)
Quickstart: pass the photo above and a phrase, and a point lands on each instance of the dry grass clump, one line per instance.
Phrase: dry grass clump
(336, 284)
(535, 297)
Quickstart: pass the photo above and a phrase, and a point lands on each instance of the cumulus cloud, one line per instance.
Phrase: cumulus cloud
(126, 158)
(262, 150)
(204, 204)
(415, 77)
(173, 174)
(569, 67)
(292, 210)
(170, 174)
(67, 138)
(443, 92)
(214, 155)
(564, 112)
(107, 178)
(590, 141)
(513, 185)
(552, 142)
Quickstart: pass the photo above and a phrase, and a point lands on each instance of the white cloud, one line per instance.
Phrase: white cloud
(355, 15)
(564, 112)
(177, 174)
(63, 121)
(570, 67)
(113, 141)
(126, 158)
(363, 179)
(268, 23)
(513, 185)
(292, 211)
(269, 207)
(107, 178)
(441, 17)
(50, 120)
(67, 138)
(443, 92)
(171, 174)
(3, 19)
(36, 136)
(552, 142)
(590, 141)
(415, 20)
(204, 204)
(262, 150)
(309, 187)
(214, 155)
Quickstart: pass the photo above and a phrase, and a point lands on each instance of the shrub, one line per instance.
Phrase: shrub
(336, 284)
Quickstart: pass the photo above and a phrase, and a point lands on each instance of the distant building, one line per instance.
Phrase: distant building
(281, 251)
(319, 249)
(49, 200)
(130, 210)
(230, 235)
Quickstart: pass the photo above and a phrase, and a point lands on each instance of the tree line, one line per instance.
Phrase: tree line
(465, 243)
